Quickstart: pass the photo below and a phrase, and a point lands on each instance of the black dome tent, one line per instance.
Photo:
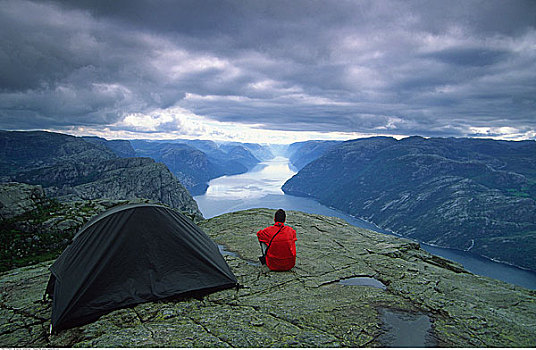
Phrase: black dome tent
(129, 255)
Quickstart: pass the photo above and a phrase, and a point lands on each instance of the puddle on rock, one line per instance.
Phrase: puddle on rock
(363, 281)
(224, 251)
(405, 329)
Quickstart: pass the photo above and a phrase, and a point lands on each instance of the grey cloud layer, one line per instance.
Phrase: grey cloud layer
(429, 68)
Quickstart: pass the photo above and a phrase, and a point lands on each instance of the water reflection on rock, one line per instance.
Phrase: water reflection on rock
(363, 281)
(224, 251)
(404, 329)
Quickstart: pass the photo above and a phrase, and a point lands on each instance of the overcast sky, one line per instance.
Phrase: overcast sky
(269, 71)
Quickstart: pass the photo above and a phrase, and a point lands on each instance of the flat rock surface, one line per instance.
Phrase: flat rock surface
(438, 300)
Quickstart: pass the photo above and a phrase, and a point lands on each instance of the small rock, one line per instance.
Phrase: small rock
(256, 323)
(68, 224)
(167, 314)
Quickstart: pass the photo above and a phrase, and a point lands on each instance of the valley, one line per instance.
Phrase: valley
(261, 188)
(464, 199)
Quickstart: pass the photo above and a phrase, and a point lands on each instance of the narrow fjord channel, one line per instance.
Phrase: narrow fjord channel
(261, 188)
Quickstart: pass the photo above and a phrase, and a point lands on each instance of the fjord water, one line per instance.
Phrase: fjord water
(261, 188)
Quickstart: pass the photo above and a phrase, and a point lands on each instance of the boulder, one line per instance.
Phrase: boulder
(19, 198)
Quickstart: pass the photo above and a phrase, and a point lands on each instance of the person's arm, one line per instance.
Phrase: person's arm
(262, 235)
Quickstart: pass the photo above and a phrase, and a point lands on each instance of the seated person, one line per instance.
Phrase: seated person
(279, 244)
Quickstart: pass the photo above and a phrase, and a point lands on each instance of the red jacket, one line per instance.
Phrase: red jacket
(282, 253)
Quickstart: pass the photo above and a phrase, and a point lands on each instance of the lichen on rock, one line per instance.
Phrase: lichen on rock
(304, 307)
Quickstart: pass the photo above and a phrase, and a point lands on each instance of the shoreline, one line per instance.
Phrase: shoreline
(474, 263)
(396, 234)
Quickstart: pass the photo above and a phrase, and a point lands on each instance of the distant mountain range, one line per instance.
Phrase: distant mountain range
(121, 148)
(468, 194)
(74, 168)
(43, 172)
(196, 162)
(62, 162)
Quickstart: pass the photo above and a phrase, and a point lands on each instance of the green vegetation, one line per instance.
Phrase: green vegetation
(522, 245)
(23, 245)
(518, 193)
(42, 234)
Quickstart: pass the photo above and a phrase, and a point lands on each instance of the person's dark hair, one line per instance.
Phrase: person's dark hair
(280, 215)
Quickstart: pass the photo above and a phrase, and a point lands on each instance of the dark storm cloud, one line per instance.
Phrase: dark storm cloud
(470, 56)
(421, 67)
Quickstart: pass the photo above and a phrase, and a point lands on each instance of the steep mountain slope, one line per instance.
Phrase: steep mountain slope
(240, 154)
(469, 194)
(405, 292)
(69, 167)
(211, 148)
(302, 153)
(260, 152)
(196, 162)
(191, 166)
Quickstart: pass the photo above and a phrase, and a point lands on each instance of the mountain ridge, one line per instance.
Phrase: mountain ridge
(196, 162)
(302, 153)
(456, 193)
(71, 168)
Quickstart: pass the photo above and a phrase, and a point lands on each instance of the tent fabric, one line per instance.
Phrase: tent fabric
(129, 255)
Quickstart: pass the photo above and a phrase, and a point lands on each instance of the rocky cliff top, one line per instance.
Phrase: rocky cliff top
(129, 178)
(351, 287)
